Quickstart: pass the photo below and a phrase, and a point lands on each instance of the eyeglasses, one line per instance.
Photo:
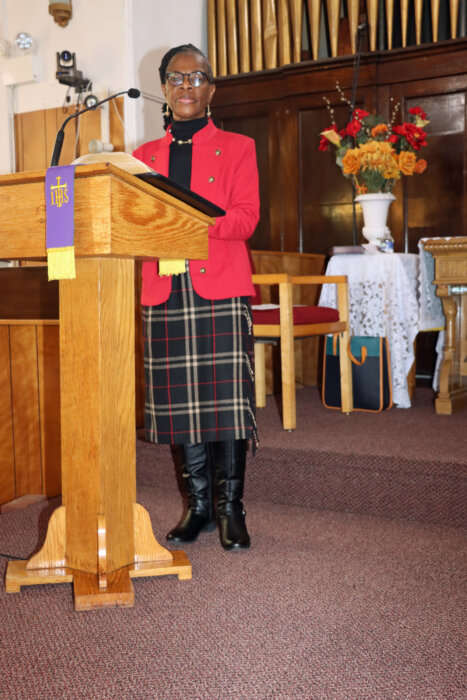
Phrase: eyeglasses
(195, 78)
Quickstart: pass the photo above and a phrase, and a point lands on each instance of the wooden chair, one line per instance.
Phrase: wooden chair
(288, 322)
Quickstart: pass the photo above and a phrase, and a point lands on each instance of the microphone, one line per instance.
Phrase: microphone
(132, 92)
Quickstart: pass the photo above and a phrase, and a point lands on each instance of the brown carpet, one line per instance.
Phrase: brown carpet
(337, 599)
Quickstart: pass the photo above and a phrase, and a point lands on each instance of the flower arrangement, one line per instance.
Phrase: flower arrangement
(374, 153)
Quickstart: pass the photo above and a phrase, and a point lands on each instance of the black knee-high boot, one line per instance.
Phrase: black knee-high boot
(197, 476)
(229, 459)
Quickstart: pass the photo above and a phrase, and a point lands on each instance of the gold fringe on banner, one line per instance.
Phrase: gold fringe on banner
(61, 263)
(168, 266)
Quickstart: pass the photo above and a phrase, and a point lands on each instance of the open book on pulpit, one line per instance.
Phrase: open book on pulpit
(135, 167)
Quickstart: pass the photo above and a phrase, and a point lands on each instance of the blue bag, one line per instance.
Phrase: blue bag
(371, 374)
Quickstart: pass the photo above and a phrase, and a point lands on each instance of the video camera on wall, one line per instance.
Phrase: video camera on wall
(68, 74)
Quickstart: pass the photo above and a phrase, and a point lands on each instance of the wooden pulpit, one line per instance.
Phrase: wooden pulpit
(99, 538)
(450, 256)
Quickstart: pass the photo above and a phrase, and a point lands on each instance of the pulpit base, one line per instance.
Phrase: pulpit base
(455, 400)
(87, 593)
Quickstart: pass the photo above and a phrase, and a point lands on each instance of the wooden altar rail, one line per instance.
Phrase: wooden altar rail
(253, 35)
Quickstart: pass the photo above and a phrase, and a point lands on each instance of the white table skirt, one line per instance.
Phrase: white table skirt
(386, 299)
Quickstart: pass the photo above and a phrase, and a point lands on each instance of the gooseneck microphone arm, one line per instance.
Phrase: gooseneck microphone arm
(132, 92)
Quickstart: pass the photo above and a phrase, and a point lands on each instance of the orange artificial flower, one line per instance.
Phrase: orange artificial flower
(420, 166)
(351, 162)
(379, 129)
(406, 161)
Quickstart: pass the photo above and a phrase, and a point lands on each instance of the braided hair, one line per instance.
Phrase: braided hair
(184, 48)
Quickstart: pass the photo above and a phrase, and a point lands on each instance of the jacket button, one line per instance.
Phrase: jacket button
(211, 179)
(218, 152)
(202, 269)
(153, 158)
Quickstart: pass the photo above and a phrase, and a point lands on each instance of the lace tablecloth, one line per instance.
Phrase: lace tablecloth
(386, 299)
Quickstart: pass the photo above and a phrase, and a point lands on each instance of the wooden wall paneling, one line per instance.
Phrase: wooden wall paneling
(436, 204)
(19, 150)
(52, 125)
(25, 395)
(255, 121)
(289, 175)
(116, 123)
(7, 462)
(325, 195)
(30, 140)
(48, 368)
(89, 127)
(54, 120)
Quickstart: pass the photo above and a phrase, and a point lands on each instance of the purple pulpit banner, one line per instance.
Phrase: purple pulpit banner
(60, 224)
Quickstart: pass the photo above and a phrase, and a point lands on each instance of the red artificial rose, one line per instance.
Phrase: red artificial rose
(360, 114)
(353, 128)
(414, 135)
(419, 111)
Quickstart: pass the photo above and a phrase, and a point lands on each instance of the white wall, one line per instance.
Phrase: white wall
(118, 45)
(158, 26)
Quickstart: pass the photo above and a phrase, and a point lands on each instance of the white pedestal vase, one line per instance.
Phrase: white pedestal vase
(375, 208)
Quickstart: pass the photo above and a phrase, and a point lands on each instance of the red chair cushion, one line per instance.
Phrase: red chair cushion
(301, 315)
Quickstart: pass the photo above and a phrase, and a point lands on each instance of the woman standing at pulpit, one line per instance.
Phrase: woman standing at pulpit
(197, 325)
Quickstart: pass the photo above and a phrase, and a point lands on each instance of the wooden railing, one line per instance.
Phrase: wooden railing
(253, 35)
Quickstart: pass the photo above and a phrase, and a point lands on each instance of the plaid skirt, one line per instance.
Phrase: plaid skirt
(198, 362)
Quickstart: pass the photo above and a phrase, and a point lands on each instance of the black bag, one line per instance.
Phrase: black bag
(371, 374)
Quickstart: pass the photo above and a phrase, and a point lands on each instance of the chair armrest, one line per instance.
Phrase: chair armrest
(342, 285)
(319, 279)
(273, 278)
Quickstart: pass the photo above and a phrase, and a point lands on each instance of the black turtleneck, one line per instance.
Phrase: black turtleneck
(180, 154)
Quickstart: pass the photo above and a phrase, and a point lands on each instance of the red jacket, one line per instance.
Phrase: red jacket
(224, 171)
